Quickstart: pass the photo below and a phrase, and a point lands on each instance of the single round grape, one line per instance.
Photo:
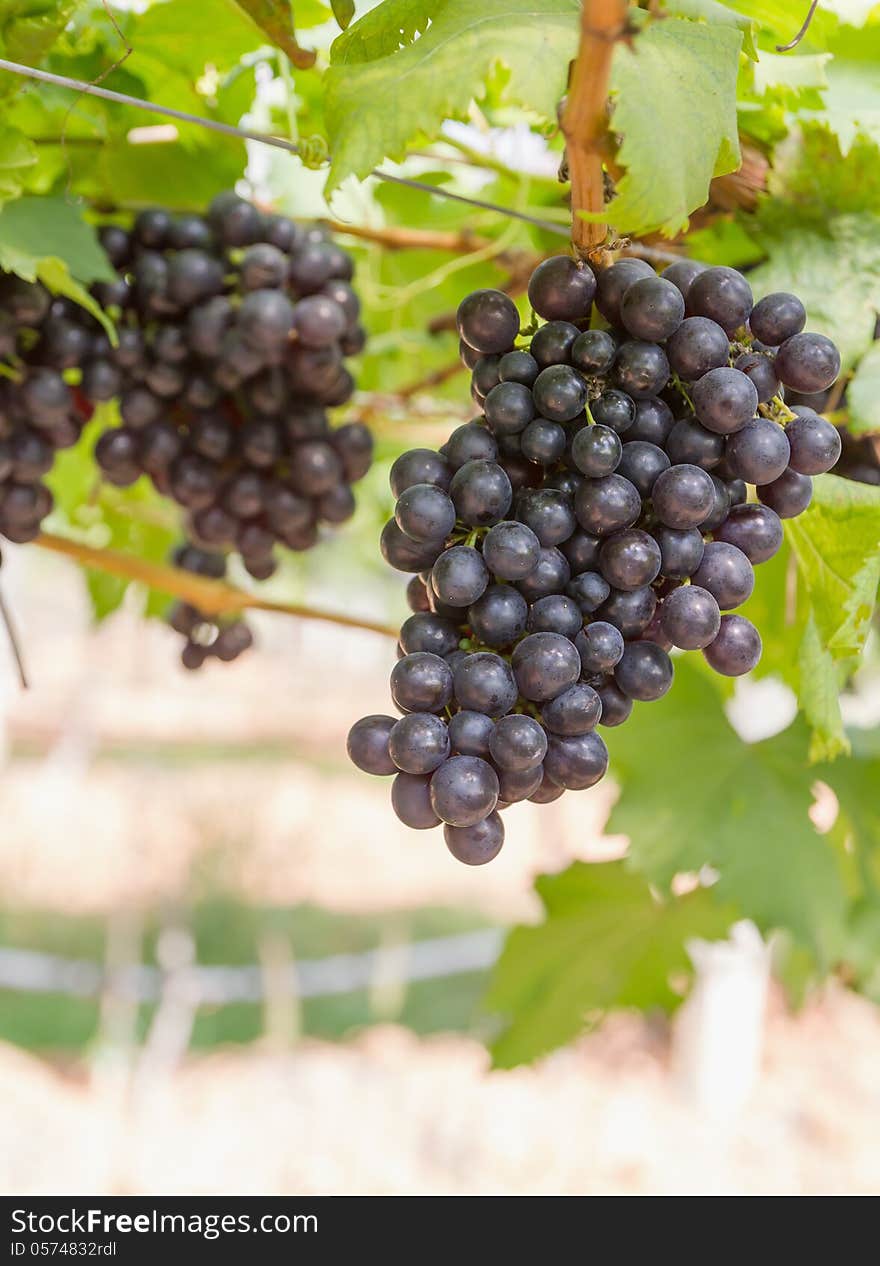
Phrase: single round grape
(556, 613)
(814, 444)
(400, 551)
(543, 442)
(488, 321)
(777, 317)
(653, 422)
(411, 801)
(808, 362)
(720, 506)
(789, 495)
(511, 550)
(615, 409)
(607, 505)
(576, 761)
(630, 559)
(737, 492)
(235, 221)
(193, 276)
(475, 845)
(645, 671)
(593, 352)
(754, 529)
(690, 443)
(698, 345)
(484, 682)
(417, 597)
(726, 573)
(552, 343)
(722, 294)
(421, 682)
(736, 649)
(481, 493)
(596, 450)
(116, 453)
(600, 646)
(682, 273)
(725, 400)
(515, 785)
(652, 309)
(544, 664)
(548, 512)
(425, 631)
(517, 743)
(470, 732)
(690, 618)
(561, 289)
(630, 611)
(499, 616)
(759, 369)
(418, 743)
(683, 496)
(641, 369)
(681, 550)
(641, 463)
(550, 574)
(612, 283)
(759, 452)
(588, 590)
(459, 576)
(464, 790)
(485, 375)
(509, 408)
(559, 393)
(470, 442)
(582, 551)
(616, 706)
(547, 791)
(265, 318)
(575, 711)
(518, 366)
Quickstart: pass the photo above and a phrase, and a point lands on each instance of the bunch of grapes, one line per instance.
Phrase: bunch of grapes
(628, 470)
(40, 412)
(233, 329)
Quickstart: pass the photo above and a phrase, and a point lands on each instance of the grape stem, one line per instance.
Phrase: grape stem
(584, 118)
(213, 597)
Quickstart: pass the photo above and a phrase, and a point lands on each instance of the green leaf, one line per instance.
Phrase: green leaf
(693, 794)
(17, 156)
(385, 86)
(863, 394)
(33, 228)
(275, 19)
(343, 12)
(792, 71)
(29, 28)
(819, 683)
(837, 545)
(606, 941)
(675, 104)
(714, 13)
(852, 98)
(55, 275)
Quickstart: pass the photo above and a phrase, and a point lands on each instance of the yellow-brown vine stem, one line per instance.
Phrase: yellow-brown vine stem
(213, 597)
(585, 119)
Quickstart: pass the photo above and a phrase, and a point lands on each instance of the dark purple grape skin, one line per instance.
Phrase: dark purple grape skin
(518, 743)
(630, 559)
(499, 615)
(603, 506)
(559, 393)
(653, 422)
(459, 576)
(518, 366)
(581, 550)
(576, 761)
(511, 550)
(421, 682)
(481, 493)
(814, 444)
(612, 283)
(682, 273)
(616, 706)
(468, 443)
(754, 529)
(488, 321)
(789, 495)
(588, 590)
(484, 682)
(418, 743)
(596, 450)
(575, 711)
(645, 672)
(759, 369)
(547, 791)
(690, 618)
(509, 408)
(545, 664)
(464, 790)
(593, 352)
(681, 550)
(725, 400)
(689, 443)
(683, 496)
(419, 466)
(698, 345)
(808, 362)
(475, 845)
(759, 452)
(600, 646)
(561, 289)
(411, 801)
(726, 573)
(550, 574)
(777, 317)
(630, 611)
(557, 613)
(641, 369)
(367, 745)
(515, 786)
(544, 442)
(736, 649)
(722, 294)
(548, 512)
(652, 309)
(720, 506)
(552, 343)
(425, 631)
(642, 463)
(485, 376)
(470, 732)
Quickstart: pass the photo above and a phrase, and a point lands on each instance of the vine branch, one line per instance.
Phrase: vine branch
(584, 118)
(213, 597)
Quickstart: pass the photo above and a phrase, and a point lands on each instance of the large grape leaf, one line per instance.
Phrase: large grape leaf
(694, 795)
(852, 98)
(713, 12)
(675, 105)
(606, 941)
(405, 66)
(863, 394)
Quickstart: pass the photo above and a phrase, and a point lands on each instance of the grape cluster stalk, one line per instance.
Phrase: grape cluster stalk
(632, 462)
(233, 329)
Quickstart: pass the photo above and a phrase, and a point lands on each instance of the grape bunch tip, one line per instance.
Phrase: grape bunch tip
(633, 461)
